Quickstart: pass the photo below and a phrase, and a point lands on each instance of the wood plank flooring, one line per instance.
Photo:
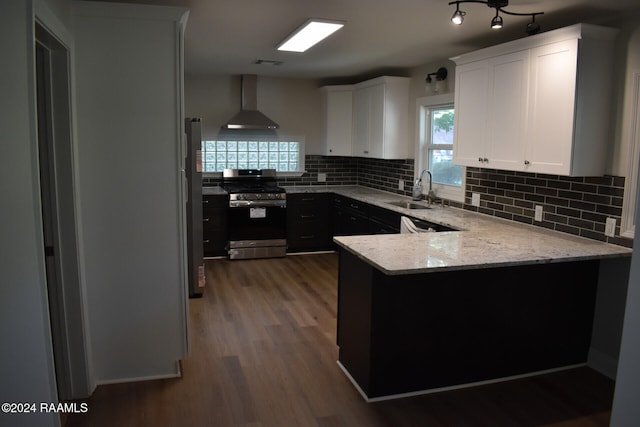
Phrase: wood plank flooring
(263, 353)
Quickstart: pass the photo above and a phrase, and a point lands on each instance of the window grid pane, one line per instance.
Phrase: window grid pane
(284, 156)
(440, 148)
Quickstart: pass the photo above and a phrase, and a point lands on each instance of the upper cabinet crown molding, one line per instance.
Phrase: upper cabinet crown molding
(539, 104)
(127, 10)
(573, 32)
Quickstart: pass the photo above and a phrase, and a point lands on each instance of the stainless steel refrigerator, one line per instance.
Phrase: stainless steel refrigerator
(193, 171)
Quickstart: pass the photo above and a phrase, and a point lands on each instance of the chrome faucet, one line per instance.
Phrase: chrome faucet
(417, 188)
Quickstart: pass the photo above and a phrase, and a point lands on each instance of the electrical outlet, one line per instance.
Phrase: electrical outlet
(610, 227)
(401, 184)
(475, 199)
(322, 177)
(538, 213)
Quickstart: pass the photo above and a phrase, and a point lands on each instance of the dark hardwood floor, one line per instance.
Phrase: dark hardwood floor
(263, 353)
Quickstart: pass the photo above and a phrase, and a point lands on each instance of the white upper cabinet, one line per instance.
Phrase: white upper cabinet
(338, 116)
(486, 90)
(539, 104)
(553, 112)
(380, 114)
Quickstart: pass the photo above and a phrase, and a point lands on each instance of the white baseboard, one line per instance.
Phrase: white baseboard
(176, 374)
(454, 387)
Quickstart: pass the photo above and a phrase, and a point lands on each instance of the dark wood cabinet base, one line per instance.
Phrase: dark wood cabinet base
(402, 334)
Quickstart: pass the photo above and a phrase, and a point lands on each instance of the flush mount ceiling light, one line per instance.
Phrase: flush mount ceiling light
(496, 23)
(310, 33)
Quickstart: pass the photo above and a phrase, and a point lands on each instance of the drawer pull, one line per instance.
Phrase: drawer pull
(308, 237)
(307, 216)
(206, 241)
(205, 202)
(205, 219)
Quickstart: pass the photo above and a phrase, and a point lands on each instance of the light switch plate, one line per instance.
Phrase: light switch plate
(322, 177)
(610, 227)
(401, 184)
(538, 213)
(475, 199)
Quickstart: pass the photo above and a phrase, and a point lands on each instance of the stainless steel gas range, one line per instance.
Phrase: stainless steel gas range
(257, 213)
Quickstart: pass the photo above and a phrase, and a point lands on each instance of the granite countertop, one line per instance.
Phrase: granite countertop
(482, 242)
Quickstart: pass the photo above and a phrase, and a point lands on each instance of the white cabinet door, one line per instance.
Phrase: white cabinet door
(507, 110)
(551, 107)
(470, 136)
(380, 116)
(338, 109)
(361, 122)
(490, 104)
(377, 121)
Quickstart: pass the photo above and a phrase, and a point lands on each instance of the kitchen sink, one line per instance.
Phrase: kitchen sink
(409, 205)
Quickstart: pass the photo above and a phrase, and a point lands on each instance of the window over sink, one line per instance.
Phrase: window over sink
(284, 154)
(435, 146)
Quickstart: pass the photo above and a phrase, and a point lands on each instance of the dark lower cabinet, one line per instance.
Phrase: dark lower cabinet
(414, 332)
(314, 218)
(214, 229)
(352, 217)
(308, 222)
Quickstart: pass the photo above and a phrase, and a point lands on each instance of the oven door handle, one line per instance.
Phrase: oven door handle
(258, 203)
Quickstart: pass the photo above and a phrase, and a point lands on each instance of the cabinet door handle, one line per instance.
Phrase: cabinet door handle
(353, 206)
(366, 152)
(206, 202)
(206, 241)
(480, 159)
(308, 237)
(527, 162)
(205, 219)
(307, 216)
(485, 160)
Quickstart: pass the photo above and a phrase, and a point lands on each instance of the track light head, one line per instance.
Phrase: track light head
(496, 22)
(533, 27)
(458, 16)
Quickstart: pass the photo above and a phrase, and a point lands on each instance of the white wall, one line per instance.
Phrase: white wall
(129, 133)
(626, 411)
(295, 104)
(26, 361)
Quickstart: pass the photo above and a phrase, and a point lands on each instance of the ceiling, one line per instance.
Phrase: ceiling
(229, 36)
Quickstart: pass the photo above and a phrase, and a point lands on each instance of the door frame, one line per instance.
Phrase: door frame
(69, 332)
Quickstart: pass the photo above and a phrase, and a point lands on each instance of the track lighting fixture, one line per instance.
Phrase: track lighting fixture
(496, 23)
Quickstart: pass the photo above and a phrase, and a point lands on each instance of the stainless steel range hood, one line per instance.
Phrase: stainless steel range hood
(249, 117)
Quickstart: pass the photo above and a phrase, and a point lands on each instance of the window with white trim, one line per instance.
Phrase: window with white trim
(283, 154)
(435, 152)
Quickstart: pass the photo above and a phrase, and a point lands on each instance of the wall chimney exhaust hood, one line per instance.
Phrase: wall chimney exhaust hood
(249, 117)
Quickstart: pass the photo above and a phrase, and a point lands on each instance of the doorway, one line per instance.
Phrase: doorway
(59, 219)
